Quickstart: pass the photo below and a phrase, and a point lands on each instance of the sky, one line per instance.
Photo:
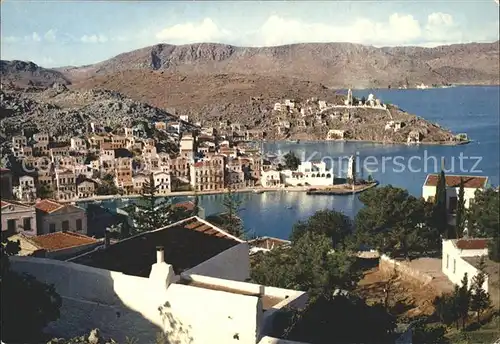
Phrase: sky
(63, 33)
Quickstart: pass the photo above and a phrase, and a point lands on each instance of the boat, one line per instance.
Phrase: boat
(258, 191)
(289, 207)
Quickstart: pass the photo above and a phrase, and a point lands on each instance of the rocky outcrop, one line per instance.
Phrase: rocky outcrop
(22, 73)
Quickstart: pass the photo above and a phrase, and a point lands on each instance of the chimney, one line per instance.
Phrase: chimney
(160, 255)
(106, 238)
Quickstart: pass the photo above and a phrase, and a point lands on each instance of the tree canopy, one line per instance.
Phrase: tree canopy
(336, 320)
(308, 265)
(395, 222)
(292, 162)
(331, 223)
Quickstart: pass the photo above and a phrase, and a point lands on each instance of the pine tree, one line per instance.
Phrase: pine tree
(196, 208)
(460, 211)
(231, 222)
(440, 214)
(149, 213)
(480, 299)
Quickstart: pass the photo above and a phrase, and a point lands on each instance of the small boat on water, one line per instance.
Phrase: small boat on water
(258, 191)
(289, 207)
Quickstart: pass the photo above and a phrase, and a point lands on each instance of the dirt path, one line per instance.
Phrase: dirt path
(406, 299)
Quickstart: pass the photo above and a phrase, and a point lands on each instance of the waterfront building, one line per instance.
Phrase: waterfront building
(162, 182)
(235, 176)
(270, 178)
(179, 168)
(208, 175)
(309, 173)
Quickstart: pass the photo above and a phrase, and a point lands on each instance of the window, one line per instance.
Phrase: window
(454, 265)
(447, 261)
(11, 226)
(52, 227)
(65, 225)
(79, 224)
(27, 223)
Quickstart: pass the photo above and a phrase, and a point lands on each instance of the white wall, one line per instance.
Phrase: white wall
(205, 316)
(272, 340)
(122, 305)
(290, 298)
(454, 267)
(231, 264)
(118, 304)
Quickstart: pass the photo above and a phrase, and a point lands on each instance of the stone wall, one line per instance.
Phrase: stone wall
(390, 265)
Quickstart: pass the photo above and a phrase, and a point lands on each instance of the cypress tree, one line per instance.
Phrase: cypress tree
(440, 214)
(460, 211)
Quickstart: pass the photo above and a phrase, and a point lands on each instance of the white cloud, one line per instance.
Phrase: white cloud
(94, 39)
(396, 29)
(50, 35)
(9, 39)
(206, 31)
(34, 37)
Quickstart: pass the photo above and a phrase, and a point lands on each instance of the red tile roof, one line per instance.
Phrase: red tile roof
(48, 205)
(61, 240)
(472, 182)
(11, 202)
(472, 244)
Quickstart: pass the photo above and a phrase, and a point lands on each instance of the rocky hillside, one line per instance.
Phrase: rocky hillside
(339, 65)
(64, 113)
(23, 74)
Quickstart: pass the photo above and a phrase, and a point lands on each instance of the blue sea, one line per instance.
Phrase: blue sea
(471, 110)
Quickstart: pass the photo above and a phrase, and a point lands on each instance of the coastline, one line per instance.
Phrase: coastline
(437, 143)
(195, 193)
(339, 190)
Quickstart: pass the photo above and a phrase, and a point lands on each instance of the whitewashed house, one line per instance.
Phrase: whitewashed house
(471, 185)
(460, 256)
